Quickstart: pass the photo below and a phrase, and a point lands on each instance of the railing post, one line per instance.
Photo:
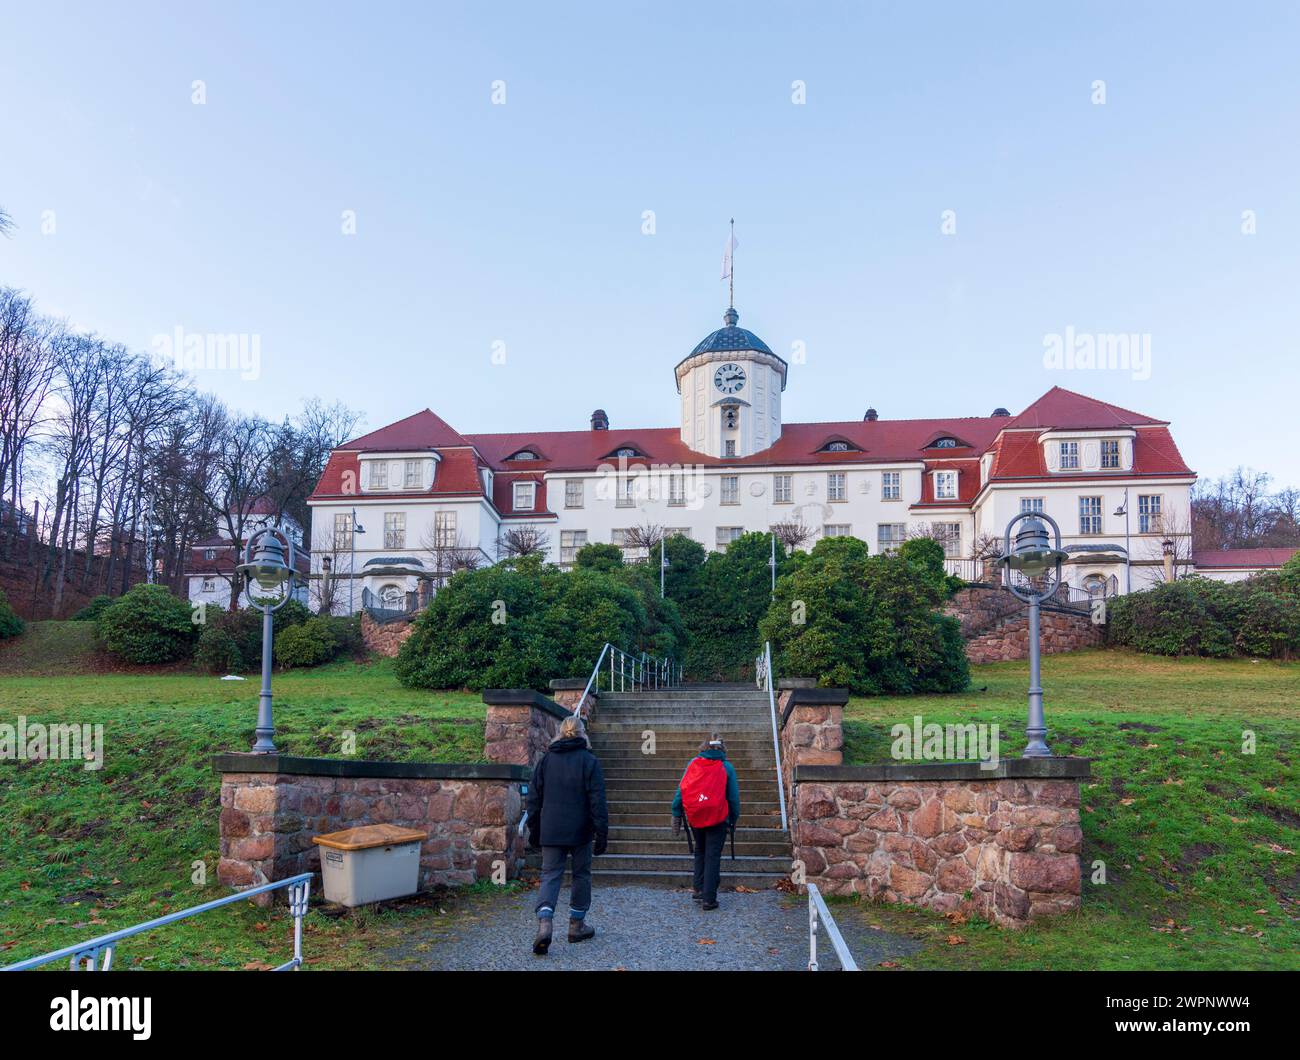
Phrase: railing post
(812, 933)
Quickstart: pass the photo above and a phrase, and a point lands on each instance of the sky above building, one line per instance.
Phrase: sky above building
(515, 213)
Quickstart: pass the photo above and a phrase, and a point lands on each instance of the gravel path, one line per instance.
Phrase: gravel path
(645, 928)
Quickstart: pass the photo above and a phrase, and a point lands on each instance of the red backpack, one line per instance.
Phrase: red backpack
(704, 792)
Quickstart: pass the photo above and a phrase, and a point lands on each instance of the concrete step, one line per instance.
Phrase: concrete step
(678, 847)
(663, 833)
(660, 815)
(684, 862)
(660, 806)
(756, 795)
(681, 881)
(697, 730)
(673, 773)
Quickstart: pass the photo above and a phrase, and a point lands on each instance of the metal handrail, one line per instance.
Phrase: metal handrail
(818, 917)
(643, 671)
(766, 664)
(84, 956)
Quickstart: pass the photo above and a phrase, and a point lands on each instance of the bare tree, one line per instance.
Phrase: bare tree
(792, 533)
(519, 541)
(646, 536)
(1177, 532)
(27, 372)
(6, 224)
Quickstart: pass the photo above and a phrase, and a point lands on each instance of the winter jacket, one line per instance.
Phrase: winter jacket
(566, 800)
(733, 785)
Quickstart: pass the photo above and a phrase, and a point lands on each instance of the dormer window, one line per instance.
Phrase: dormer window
(411, 474)
(944, 443)
(1110, 454)
(627, 452)
(523, 454)
(838, 445)
(1069, 456)
(945, 485)
(525, 496)
(379, 475)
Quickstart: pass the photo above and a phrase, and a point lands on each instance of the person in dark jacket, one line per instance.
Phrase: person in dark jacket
(710, 841)
(567, 818)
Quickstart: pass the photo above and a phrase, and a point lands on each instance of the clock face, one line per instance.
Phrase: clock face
(729, 378)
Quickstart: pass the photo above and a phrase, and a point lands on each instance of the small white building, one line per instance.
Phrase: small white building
(428, 499)
(212, 560)
(1238, 564)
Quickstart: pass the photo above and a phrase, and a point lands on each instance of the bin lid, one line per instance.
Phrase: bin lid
(370, 835)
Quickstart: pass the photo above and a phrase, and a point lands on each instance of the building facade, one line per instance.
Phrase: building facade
(424, 499)
(210, 572)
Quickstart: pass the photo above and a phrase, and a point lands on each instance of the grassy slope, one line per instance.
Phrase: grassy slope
(84, 852)
(1201, 842)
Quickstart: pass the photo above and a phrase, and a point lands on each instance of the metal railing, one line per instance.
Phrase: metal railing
(763, 677)
(85, 956)
(642, 672)
(819, 917)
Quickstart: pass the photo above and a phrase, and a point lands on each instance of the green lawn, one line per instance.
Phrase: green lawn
(84, 852)
(1201, 842)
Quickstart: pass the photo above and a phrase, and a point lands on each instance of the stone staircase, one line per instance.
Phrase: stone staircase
(640, 787)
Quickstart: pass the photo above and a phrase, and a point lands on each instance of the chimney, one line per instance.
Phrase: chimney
(871, 416)
(1001, 412)
(599, 421)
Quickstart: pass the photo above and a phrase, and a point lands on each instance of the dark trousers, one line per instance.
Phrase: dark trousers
(708, 859)
(553, 861)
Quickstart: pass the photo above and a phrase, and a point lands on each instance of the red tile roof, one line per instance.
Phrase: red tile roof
(1242, 557)
(1018, 453)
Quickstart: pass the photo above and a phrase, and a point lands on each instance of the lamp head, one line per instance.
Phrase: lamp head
(1032, 553)
(1167, 547)
(268, 565)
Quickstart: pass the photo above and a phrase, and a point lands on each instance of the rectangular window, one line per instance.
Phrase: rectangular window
(1090, 515)
(890, 486)
(676, 490)
(949, 536)
(729, 447)
(394, 529)
(209, 585)
(1110, 454)
(1069, 456)
(945, 485)
(626, 492)
(837, 530)
(1149, 513)
(677, 531)
(890, 535)
(570, 542)
(728, 534)
(379, 474)
(730, 489)
(411, 475)
(782, 490)
(342, 532)
(836, 489)
(444, 529)
(1031, 504)
(209, 553)
(525, 496)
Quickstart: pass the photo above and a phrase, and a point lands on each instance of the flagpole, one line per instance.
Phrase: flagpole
(731, 278)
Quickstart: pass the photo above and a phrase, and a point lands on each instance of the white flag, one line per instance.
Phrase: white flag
(732, 244)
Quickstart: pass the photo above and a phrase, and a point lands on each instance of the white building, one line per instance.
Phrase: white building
(427, 496)
(212, 561)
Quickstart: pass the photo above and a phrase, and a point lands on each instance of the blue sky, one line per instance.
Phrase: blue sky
(521, 224)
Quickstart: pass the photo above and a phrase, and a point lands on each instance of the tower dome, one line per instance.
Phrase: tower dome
(731, 387)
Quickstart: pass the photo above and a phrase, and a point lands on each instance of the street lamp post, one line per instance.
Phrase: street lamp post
(1167, 550)
(353, 530)
(1128, 558)
(772, 564)
(268, 563)
(663, 565)
(1034, 555)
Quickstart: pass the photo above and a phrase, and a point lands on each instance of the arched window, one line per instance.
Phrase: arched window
(1095, 585)
(945, 443)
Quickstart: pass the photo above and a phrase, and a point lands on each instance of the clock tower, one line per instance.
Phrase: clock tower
(731, 387)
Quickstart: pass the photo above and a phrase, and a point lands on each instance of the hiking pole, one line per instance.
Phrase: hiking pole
(690, 840)
(733, 842)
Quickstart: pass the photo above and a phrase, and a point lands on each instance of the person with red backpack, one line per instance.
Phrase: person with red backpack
(709, 798)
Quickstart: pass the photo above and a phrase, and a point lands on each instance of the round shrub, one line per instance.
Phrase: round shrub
(147, 625)
(10, 624)
(308, 644)
(217, 652)
(868, 623)
(1186, 617)
(599, 556)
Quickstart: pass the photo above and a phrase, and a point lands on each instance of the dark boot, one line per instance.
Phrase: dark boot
(697, 896)
(709, 905)
(543, 941)
(580, 931)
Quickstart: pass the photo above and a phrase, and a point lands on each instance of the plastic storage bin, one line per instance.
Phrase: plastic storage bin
(370, 864)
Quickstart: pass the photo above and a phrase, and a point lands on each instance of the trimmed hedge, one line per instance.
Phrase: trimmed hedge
(1257, 617)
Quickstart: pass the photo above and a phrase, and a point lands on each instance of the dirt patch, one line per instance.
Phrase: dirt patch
(1139, 725)
(1191, 857)
(1276, 813)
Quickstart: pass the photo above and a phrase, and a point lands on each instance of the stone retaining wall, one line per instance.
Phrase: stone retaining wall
(521, 723)
(811, 724)
(272, 806)
(385, 638)
(1010, 640)
(947, 836)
